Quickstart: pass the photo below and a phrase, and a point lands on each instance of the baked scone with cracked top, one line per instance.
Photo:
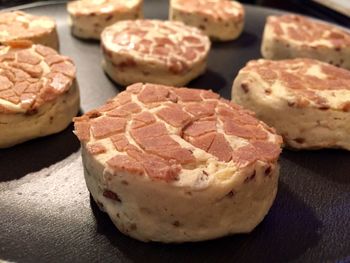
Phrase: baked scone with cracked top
(221, 20)
(307, 101)
(38, 92)
(154, 153)
(162, 52)
(88, 18)
(295, 36)
(18, 25)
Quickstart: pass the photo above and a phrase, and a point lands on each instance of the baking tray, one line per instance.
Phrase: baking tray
(47, 215)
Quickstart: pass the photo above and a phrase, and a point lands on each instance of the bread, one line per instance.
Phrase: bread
(222, 20)
(19, 25)
(38, 92)
(155, 51)
(175, 164)
(293, 36)
(307, 101)
(89, 17)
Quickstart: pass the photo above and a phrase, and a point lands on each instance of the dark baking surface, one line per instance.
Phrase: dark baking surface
(46, 213)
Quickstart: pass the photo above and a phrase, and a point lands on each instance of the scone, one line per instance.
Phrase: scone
(294, 36)
(89, 17)
(222, 20)
(155, 51)
(18, 25)
(38, 92)
(175, 164)
(307, 101)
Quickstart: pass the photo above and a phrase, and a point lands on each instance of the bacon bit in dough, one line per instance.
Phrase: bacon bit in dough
(111, 195)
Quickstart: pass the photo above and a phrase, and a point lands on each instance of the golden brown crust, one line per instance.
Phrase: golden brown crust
(18, 25)
(31, 75)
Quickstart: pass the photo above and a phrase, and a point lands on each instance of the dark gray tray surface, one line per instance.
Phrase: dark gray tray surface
(47, 215)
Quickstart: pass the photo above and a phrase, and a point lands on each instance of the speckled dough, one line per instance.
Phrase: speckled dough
(88, 18)
(154, 153)
(307, 101)
(221, 20)
(19, 25)
(294, 36)
(155, 51)
(38, 93)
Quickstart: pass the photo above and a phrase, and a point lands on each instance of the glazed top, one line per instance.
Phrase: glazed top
(169, 133)
(18, 25)
(31, 75)
(171, 43)
(306, 82)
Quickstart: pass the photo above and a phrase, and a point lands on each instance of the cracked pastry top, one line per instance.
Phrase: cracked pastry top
(301, 29)
(295, 36)
(302, 82)
(18, 25)
(31, 75)
(166, 133)
(153, 41)
(154, 51)
(307, 101)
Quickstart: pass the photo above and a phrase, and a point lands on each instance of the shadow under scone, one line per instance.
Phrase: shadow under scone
(37, 154)
(272, 237)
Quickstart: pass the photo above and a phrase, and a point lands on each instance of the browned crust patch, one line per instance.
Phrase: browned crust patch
(93, 8)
